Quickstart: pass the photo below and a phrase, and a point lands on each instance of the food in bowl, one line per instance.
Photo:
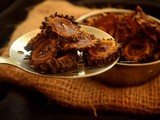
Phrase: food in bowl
(55, 48)
(138, 33)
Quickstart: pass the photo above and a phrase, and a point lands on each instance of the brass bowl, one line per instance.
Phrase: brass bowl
(125, 74)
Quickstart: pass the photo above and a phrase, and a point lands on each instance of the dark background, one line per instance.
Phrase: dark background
(17, 103)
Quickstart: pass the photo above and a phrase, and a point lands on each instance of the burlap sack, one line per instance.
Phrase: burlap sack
(85, 93)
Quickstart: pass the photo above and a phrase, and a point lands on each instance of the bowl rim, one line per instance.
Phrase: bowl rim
(100, 11)
(139, 64)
